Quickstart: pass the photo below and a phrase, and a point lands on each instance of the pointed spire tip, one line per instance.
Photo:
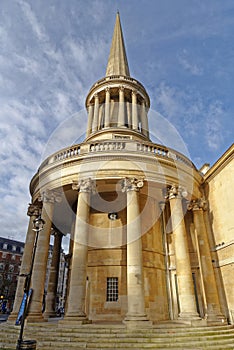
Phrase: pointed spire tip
(117, 62)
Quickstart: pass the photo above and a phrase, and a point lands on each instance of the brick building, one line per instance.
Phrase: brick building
(11, 252)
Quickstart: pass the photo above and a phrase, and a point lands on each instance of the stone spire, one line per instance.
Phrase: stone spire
(117, 103)
(117, 62)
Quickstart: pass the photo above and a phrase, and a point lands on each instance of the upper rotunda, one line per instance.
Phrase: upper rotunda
(117, 104)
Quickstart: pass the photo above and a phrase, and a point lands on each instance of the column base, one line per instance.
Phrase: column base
(76, 320)
(189, 315)
(214, 319)
(192, 319)
(37, 317)
(137, 321)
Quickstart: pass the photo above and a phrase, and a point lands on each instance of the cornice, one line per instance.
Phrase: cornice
(220, 164)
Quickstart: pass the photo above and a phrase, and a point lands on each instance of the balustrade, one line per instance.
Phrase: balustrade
(67, 153)
(105, 146)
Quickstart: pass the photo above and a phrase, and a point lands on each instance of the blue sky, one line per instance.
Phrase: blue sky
(52, 51)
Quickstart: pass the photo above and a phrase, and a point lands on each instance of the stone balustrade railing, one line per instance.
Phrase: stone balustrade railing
(107, 146)
(116, 146)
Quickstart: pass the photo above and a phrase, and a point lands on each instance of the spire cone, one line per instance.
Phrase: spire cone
(117, 62)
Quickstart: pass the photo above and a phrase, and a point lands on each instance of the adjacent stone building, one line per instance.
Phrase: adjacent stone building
(150, 235)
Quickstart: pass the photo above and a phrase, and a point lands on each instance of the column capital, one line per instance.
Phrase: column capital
(121, 88)
(96, 96)
(50, 196)
(107, 89)
(198, 204)
(134, 92)
(132, 184)
(175, 191)
(84, 185)
(33, 209)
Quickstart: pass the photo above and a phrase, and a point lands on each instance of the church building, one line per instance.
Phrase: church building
(151, 238)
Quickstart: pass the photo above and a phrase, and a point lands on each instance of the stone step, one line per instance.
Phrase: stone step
(181, 346)
(97, 337)
(173, 344)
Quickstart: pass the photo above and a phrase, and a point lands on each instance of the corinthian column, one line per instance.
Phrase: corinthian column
(53, 277)
(77, 289)
(135, 286)
(186, 294)
(41, 256)
(33, 212)
(213, 312)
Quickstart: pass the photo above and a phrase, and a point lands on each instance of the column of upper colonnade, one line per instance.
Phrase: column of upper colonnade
(117, 101)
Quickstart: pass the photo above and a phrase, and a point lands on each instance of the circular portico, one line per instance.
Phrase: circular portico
(134, 212)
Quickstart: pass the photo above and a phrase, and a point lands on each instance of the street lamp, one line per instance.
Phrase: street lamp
(38, 225)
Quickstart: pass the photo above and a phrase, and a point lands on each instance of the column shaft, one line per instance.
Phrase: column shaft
(33, 212)
(186, 292)
(213, 311)
(77, 289)
(121, 116)
(135, 278)
(40, 263)
(144, 120)
(96, 113)
(134, 111)
(53, 277)
(107, 108)
(129, 114)
(90, 120)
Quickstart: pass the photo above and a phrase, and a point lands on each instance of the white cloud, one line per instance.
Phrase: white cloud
(192, 68)
(214, 131)
(36, 26)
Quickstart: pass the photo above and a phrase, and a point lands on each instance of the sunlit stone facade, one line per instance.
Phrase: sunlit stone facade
(138, 214)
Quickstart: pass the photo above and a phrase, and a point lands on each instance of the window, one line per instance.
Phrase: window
(5, 246)
(2, 267)
(11, 268)
(112, 292)
(13, 257)
(4, 254)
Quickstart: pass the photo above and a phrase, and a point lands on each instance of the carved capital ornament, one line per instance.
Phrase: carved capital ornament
(132, 184)
(84, 185)
(175, 192)
(198, 204)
